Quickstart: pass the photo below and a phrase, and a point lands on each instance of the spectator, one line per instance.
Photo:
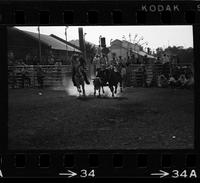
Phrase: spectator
(96, 62)
(158, 61)
(182, 81)
(144, 77)
(28, 59)
(12, 77)
(132, 61)
(128, 62)
(172, 81)
(113, 64)
(145, 60)
(103, 62)
(25, 78)
(162, 81)
(190, 82)
(35, 60)
(124, 75)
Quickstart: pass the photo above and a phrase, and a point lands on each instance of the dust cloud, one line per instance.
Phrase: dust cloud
(71, 90)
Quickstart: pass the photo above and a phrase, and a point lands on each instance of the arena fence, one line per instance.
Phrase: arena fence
(52, 77)
(54, 74)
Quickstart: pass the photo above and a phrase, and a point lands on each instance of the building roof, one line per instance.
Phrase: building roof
(142, 53)
(52, 42)
(66, 42)
(76, 43)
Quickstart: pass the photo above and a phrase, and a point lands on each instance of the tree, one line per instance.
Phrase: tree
(159, 51)
(90, 50)
(183, 55)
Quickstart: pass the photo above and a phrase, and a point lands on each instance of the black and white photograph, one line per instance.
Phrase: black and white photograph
(100, 87)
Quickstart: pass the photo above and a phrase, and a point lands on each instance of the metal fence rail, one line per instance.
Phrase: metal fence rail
(54, 74)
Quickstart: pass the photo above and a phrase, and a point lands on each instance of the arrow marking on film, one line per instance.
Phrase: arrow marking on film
(69, 173)
(161, 174)
(1, 175)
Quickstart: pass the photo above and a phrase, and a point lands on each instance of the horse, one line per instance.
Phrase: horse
(111, 77)
(79, 80)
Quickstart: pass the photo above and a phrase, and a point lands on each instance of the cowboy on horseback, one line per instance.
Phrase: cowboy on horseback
(76, 63)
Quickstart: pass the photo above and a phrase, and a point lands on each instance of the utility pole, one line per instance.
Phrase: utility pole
(40, 56)
(66, 43)
(85, 56)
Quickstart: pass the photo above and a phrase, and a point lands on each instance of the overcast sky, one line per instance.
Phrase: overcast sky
(156, 36)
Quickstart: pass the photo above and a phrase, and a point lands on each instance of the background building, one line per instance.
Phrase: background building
(127, 49)
(23, 46)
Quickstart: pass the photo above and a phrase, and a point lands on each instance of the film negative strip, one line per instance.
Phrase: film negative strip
(100, 89)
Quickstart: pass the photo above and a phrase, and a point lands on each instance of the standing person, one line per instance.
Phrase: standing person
(103, 62)
(144, 76)
(25, 78)
(124, 76)
(113, 64)
(172, 81)
(162, 81)
(120, 60)
(132, 60)
(12, 77)
(182, 81)
(145, 60)
(40, 77)
(128, 62)
(97, 65)
(119, 64)
(35, 60)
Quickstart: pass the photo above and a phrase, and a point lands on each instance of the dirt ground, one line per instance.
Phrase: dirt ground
(141, 118)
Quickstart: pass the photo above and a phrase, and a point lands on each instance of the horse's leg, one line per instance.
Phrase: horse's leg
(116, 88)
(103, 89)
(99, 91)
(94, 91)
(79, 90)
(121, 85)
(83, 88)
(112, 90)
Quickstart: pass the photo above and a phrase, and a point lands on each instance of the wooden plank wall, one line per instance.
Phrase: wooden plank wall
(53, 74)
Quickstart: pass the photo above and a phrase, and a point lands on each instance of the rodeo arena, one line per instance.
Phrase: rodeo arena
(75, 95)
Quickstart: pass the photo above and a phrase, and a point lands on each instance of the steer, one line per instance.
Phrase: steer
(97, 85)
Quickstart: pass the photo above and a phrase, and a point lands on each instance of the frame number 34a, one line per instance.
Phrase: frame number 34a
(184, 174)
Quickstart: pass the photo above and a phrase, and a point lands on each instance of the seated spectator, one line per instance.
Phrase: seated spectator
(26, 80)
(162, 81)
(190, 82)
(12, 79)
(172, 81)
(182, 81)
